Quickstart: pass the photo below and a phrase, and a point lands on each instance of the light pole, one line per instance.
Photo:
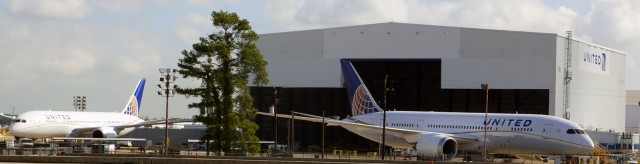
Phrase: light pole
(275, 117)
(168, 77)
(80, 102)
(322, 135)
(485, 88)
(384, 117)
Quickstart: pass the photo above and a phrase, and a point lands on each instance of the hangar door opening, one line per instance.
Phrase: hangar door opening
(415, 85)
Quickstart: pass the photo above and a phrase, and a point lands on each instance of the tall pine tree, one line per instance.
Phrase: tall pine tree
(223, 62)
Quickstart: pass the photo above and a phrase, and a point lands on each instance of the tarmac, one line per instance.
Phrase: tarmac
(180, 159)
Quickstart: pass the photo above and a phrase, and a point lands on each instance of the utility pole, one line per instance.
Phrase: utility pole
(291, 145)
(168, 77)
(485, 88)
(384, 118)
(275, 116)
(322, 134)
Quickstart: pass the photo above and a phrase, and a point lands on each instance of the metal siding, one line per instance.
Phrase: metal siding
(392, 40)
(504, 60)
(632, 119)
(597, 100)
(296, 60)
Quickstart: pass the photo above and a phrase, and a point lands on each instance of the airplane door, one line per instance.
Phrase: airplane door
(547, 129)
(419, 125)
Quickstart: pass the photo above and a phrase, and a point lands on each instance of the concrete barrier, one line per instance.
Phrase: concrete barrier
(76, 159)
(128, 159)
(31, 159)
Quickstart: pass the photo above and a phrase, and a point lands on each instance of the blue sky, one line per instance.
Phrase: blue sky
(53, 50)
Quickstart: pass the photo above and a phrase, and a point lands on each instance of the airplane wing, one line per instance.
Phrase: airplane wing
(99, 139)
(84, 131)
(7, 116)
(412, 136)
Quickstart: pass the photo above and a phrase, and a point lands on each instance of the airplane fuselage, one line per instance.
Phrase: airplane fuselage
(506, 133)
(48, 124)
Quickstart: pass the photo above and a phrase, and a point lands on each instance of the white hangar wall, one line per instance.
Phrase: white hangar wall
(632, 115)
(470, 57)
(597, 87)
(502, 59)
(296, 59)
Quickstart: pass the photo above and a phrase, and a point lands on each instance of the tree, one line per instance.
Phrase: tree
(222, 62)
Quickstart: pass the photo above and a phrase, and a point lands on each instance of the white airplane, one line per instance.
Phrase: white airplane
(444, 134)
(106, 125)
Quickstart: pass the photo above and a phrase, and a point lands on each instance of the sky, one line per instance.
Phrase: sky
(52, 50)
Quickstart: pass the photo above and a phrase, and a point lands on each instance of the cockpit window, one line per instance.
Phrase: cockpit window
(20, 120)
(575, 131)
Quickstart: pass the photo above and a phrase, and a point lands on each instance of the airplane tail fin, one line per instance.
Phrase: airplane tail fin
(133, 106)
(361, 100)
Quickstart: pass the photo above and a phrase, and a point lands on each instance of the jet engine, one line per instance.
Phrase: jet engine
(435, 146)
(104, 132)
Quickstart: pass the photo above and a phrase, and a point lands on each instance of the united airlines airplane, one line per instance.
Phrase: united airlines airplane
(445, 134)
(49, 124)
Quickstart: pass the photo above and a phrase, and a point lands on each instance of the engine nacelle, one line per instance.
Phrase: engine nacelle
(104, 132)
(436, 146)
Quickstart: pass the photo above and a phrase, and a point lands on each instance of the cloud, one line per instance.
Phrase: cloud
(117, 5)
(327, 13)
(50, 50)
(192, 27)
(140, 52)
(75, 62)
(507, 15)
(50, 9)
(514, 15)
(615, 24)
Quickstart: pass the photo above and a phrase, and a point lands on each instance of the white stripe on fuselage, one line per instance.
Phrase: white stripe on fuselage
(46, 124)
(507, 133)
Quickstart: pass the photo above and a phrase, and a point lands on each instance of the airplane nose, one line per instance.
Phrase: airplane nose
(588, 142)
(12, 129)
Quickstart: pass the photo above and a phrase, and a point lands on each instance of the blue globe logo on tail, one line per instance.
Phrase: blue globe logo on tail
(133, 105)
(359, 96)
(362, 102)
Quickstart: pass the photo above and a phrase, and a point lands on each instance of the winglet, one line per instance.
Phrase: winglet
(133, 106)
(359, 96)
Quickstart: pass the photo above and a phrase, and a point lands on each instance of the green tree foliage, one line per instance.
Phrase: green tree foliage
(223, 61)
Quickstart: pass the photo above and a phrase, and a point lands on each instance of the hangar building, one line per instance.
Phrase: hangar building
(439, 68)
